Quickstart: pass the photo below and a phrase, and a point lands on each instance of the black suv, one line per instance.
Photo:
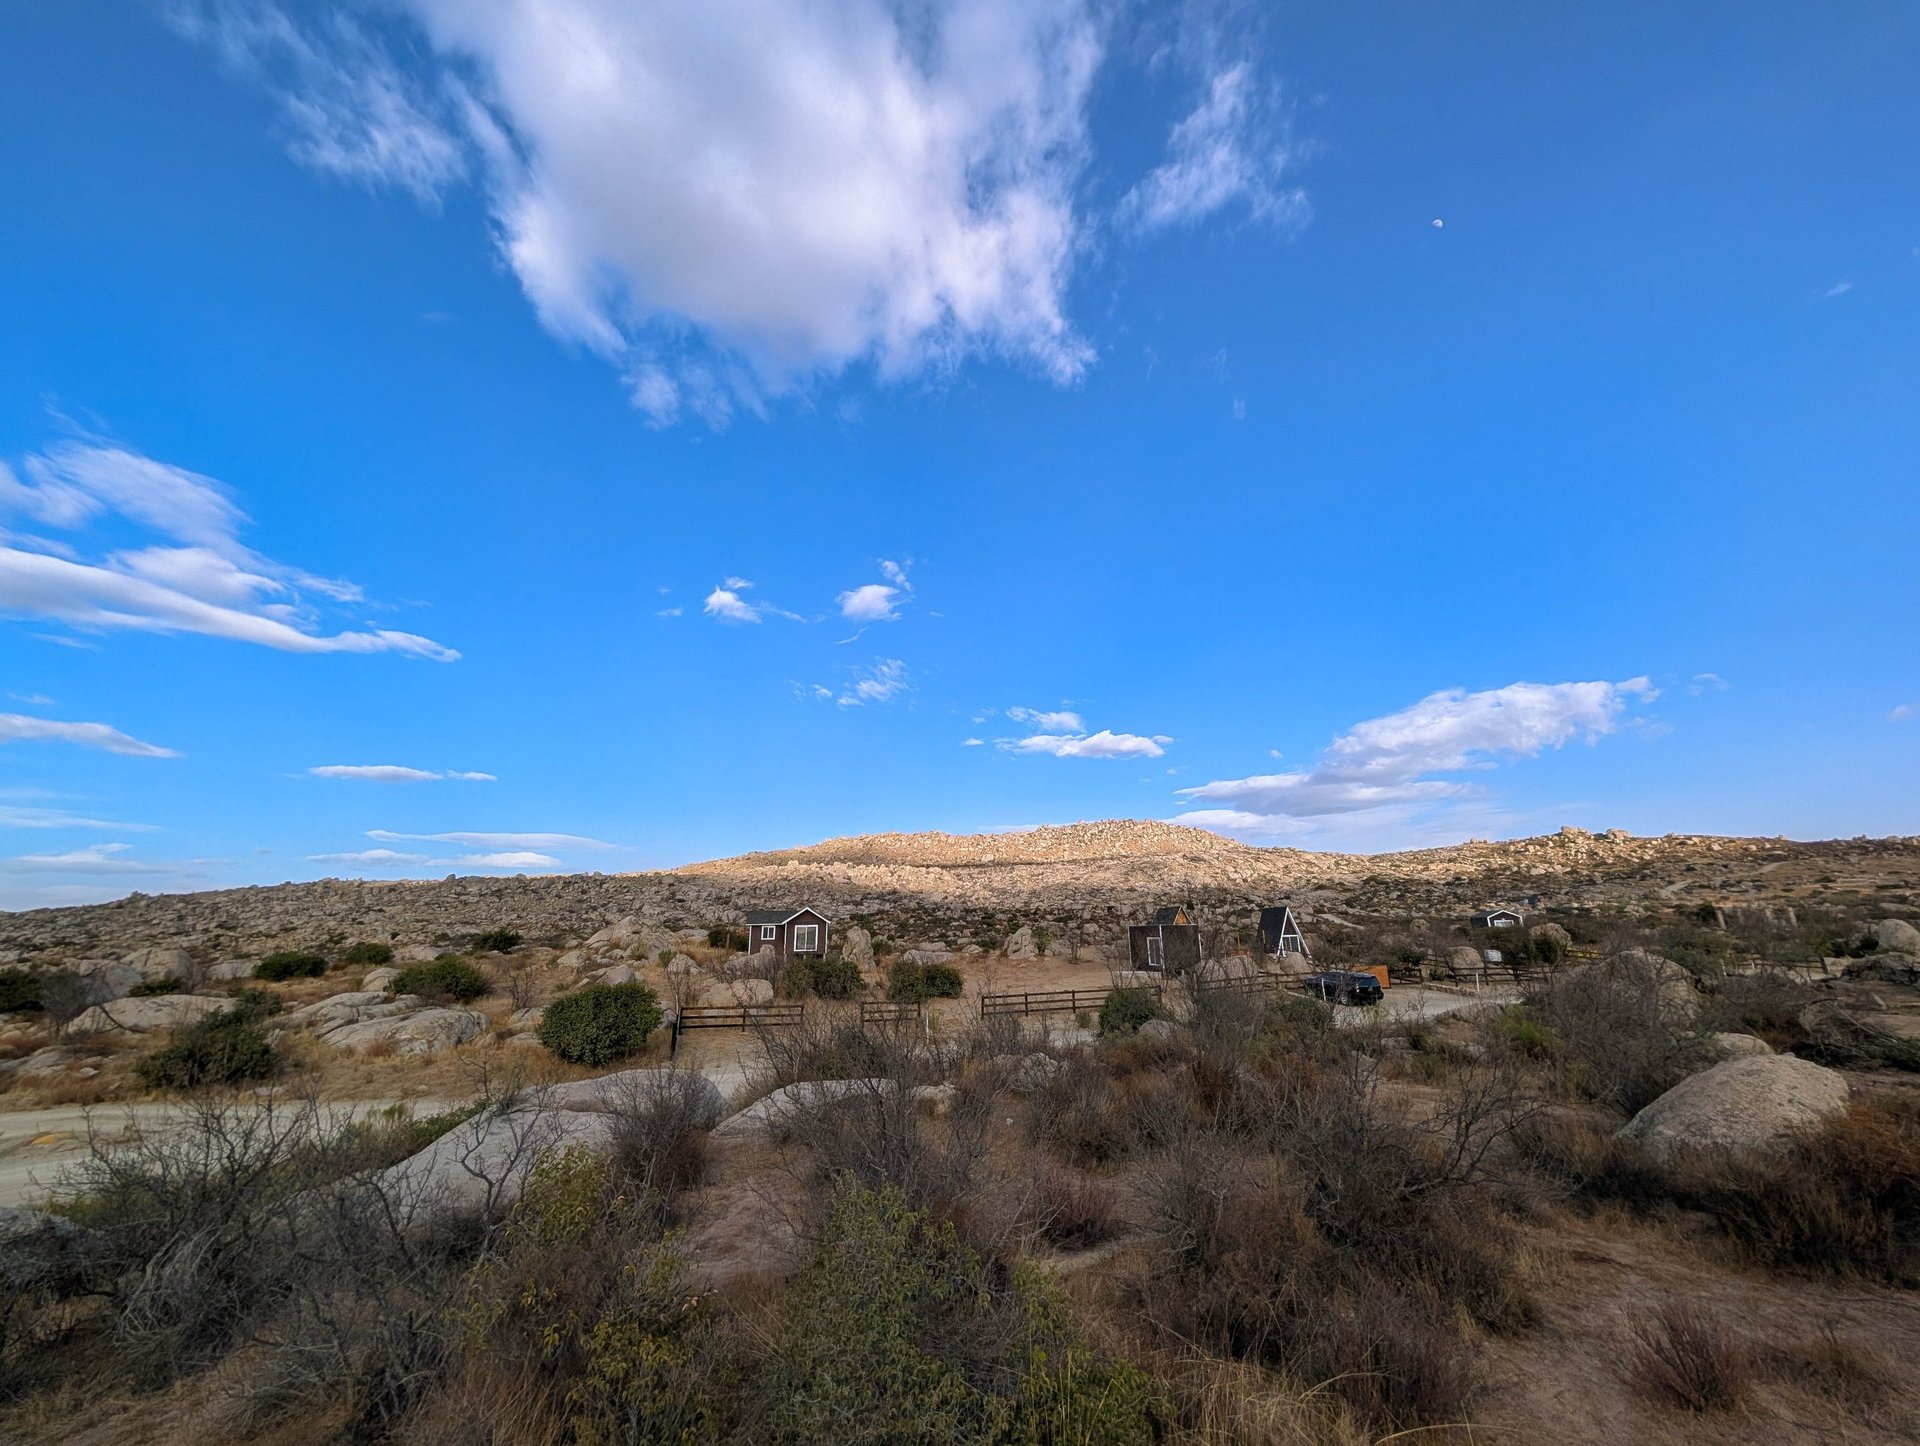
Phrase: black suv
(1344, 988)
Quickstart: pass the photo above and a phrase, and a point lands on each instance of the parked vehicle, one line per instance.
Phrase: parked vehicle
(1342, 987)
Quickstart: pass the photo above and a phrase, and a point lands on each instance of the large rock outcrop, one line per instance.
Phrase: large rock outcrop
(483, 1163)
(143, 1015)
(1756, 1103)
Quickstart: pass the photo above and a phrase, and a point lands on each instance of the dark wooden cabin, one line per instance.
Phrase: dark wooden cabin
(1170, 943)
(1497, 919)
(1280, 932)
(790, 933)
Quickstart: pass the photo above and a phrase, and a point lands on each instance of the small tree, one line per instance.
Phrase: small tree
(367, 954)
(601, 1023)
(225, 1048)
(1126, 1010)
(495, 941)
(446, 978)
(290, 964)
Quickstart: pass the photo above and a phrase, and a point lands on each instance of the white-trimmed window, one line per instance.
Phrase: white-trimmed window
(806, 938)
(769, 932)
(1154, 955)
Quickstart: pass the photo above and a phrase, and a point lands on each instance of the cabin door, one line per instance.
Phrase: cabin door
(1155, 957)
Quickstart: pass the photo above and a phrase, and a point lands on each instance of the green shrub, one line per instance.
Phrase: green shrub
(290, 964)
(721, 936)
(256, 1001)
(828, 978)
(1521, 1031)
(448, 977)
(19, 990)
(600, 1023)
(225, 1048)
(150, 988)
(897, 1332)
(495, 941)
(1126, 1010)
(910, 983)
(367, 954)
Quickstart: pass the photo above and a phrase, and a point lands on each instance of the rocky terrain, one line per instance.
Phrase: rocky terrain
(1088, 877)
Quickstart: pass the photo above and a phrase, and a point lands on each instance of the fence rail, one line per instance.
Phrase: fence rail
(1055, 1001)
(738, 1016)
(883, 1012)
(1248, 984)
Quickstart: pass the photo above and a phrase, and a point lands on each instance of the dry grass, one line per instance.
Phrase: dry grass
(1686, 1357)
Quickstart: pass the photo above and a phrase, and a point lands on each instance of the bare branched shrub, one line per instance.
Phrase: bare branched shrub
(1622, 1040)
(660, 1120)
(1073, 1211)
(1684, 1356)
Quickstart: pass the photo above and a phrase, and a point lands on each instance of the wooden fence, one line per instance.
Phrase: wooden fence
(1056, 1001)
(879, 1011)
(738, 1016)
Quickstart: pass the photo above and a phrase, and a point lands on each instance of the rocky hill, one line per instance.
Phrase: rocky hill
(1094, 876)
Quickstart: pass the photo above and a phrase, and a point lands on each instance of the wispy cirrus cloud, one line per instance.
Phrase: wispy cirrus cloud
(1231, 150)
(395, 773)
(516, 859)
(508, 841)
(1391, 767)
(103, 858)
(728, 603)
(19, 727)
(175, 563)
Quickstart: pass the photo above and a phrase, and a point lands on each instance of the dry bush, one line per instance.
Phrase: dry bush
(1843, 1199)
(1685, 1357)
(1217, 1402)
(1579, 1158)
(660, 1120)
(1073, 1211)
(1620, 1043)
(1086, 1115)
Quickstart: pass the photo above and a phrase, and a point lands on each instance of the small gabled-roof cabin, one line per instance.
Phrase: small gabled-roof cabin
(1496, 919)
(790, 933)
(1171, 942)
(1280, 932)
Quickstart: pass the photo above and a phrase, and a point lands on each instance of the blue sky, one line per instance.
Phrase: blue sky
(728, 427)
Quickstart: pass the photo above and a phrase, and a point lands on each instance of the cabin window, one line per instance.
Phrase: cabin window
(806, 937)
(769, 931)
(1154, 957)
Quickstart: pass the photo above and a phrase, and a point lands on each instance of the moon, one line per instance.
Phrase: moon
(1438, 224)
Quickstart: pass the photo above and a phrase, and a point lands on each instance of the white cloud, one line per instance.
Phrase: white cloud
(1061, 721)
(197, 578)
(727, 201)
(877, 602)
(1104, 744)
(871, 602)
(726, 604)
(494, 840)
(521, 859)
(673, 612)
(371, 858)
(32, 700)
(1707, 683)
(393, 773)
(973, 743)
(1839, 288)
(1904, 711)
(1388, 763)
(105, 858)
(18, 727)
(14, 816)
(1231, 150)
